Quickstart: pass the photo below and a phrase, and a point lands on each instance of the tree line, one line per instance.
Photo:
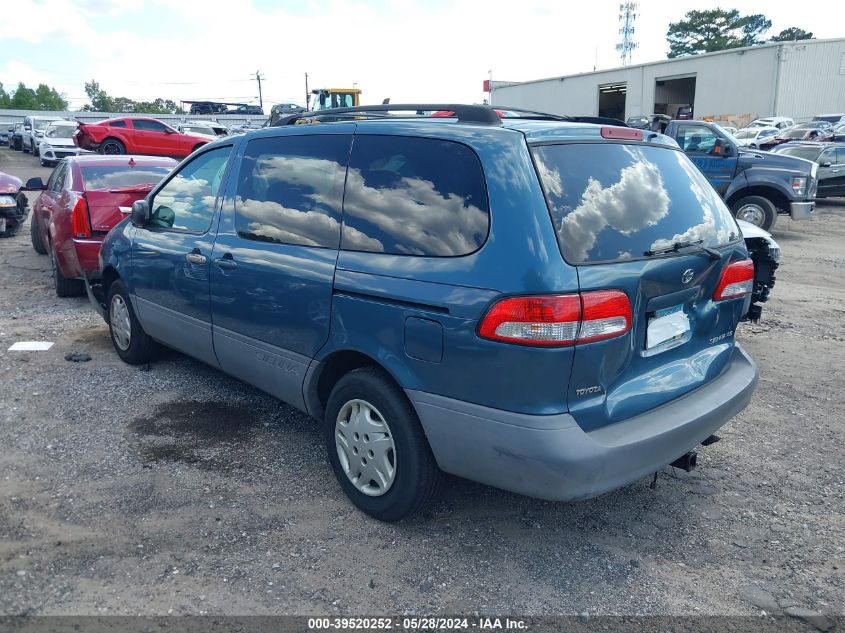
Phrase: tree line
(720, 29)
(46, 98)
(41, 98)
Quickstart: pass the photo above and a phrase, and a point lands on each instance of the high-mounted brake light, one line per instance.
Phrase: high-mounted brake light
(79, 224)
(737, 281)
(628, 133)
(558, 320)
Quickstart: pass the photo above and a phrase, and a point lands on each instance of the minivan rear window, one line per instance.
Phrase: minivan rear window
(615, 201)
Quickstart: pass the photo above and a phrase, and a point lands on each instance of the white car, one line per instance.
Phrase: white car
(217, 129)
(780, 122)
(200, 129)
(57, 142)
(33, 132)
(753, 136)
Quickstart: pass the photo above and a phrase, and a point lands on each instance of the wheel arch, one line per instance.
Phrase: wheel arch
(114, 137)
(324, 374)
(776, 196)
(109, 276)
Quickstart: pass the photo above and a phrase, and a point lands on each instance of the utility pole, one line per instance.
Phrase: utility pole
(258, 78)
(307, 94)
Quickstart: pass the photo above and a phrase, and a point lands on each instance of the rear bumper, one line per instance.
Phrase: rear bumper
(550, 457)
(802, 210)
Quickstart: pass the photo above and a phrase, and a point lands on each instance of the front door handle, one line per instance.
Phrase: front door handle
(226, 262)
(196, 258)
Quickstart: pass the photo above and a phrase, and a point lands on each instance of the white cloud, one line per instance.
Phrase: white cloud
(638, 200)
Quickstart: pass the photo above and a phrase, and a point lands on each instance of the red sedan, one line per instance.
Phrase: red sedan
(137, 135)
(83, 199)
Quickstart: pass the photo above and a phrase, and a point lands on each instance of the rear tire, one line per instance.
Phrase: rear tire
(111, 147)
(132, 344)
(756, 210)
(65, 287)
(35, 237)
(407, 475)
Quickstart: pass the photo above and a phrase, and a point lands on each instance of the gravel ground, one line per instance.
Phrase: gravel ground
(174, 488)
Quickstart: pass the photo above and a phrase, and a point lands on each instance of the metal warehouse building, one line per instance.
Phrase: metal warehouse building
(794, 79)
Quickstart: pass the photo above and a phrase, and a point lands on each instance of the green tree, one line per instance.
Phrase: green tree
(715, 30)
(4, 97)
(791, 34)
(102, 102)
(23, 98)
(48, 98)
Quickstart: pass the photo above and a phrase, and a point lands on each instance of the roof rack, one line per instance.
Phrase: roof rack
(480, 114)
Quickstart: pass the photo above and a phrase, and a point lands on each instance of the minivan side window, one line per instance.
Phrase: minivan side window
(290, 189)
(186, 203)
(414, 196)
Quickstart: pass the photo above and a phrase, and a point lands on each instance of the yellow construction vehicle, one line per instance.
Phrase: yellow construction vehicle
(326, 98)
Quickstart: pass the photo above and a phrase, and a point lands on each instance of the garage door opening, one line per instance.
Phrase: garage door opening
(675, 97)
(612, 100)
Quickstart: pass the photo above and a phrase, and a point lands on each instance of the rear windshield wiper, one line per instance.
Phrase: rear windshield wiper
(677, 246)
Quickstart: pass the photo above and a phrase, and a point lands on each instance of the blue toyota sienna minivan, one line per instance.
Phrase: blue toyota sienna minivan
(542, 306)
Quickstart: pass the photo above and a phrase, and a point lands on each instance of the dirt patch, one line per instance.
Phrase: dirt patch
(196, 433)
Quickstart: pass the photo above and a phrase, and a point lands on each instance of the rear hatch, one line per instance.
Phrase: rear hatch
(110, 190)
(619, 210)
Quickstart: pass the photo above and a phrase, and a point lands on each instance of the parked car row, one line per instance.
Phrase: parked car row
(51, 139)
(369, 284)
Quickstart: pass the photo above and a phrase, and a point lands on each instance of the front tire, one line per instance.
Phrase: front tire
(111, 146)
(132, 344)
(756, 210)
(377, 448)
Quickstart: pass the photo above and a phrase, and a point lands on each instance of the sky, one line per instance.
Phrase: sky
(408, 50)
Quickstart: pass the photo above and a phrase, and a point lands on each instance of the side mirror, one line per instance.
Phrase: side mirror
(167, 130)
(140, 214)
(827, 163)
(35, 184)
(720, 148)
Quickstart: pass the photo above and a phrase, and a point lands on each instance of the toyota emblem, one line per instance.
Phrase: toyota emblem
(687, 276)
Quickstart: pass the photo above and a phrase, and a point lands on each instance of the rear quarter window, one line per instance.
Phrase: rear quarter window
(614, 201)
(414, 196)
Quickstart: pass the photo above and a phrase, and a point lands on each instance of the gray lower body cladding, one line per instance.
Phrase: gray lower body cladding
(551, 457)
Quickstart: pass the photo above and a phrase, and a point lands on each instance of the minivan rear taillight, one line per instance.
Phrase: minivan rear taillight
(737, 281)
(558, 320)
